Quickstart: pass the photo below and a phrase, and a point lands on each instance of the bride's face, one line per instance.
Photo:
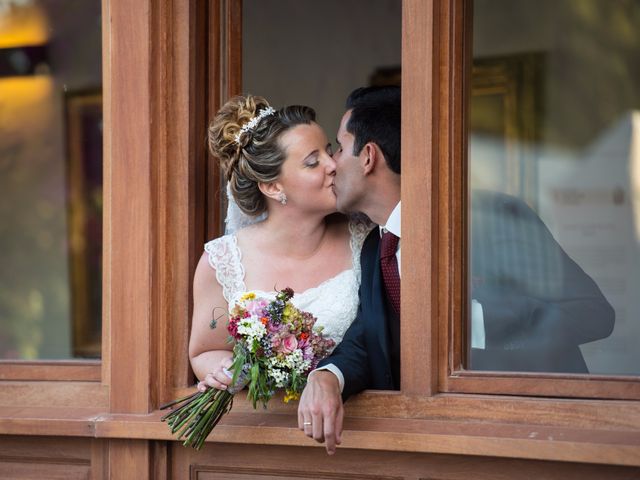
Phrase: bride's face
(308, 171)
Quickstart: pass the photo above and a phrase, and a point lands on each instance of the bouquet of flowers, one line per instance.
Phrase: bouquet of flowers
(276, 346)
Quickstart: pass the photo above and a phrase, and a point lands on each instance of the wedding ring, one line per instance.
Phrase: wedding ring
(306, 423)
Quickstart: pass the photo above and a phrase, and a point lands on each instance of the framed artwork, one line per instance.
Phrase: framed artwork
(503, 124)
(84, 213)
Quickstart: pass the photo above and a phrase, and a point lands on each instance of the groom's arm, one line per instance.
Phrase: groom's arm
(351, 359)
(320, 411)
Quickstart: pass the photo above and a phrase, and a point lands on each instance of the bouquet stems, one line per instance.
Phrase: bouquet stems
(196, 415)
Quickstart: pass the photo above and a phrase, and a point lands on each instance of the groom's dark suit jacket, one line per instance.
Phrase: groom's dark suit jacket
(369, 354)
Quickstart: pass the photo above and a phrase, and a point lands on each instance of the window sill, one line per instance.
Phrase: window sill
(495, 439)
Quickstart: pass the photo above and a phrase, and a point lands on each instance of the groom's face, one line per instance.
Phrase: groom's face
(348, 184)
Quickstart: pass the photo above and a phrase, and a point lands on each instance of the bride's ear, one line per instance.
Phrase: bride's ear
(271, 190)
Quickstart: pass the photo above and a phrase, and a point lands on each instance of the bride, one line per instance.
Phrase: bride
(278, 165)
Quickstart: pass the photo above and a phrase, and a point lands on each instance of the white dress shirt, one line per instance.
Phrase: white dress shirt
(393, 226)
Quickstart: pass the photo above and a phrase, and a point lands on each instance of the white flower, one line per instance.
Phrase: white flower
(296, 362)
(252, 329)
(280, 377)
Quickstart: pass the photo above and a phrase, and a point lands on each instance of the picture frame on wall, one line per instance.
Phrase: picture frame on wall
(84, 134)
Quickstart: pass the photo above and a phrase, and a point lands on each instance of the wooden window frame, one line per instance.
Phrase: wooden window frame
(432, 115)
(433, 47)
(185, 57)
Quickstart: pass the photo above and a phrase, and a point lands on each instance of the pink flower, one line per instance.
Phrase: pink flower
(289, 344)
(273, 328)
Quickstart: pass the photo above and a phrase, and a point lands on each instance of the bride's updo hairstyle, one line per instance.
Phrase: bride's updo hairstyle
(252, 155)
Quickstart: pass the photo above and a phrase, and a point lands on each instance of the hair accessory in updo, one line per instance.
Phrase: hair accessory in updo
(253, 123)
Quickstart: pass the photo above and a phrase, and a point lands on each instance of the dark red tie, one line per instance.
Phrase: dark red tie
(389, 266)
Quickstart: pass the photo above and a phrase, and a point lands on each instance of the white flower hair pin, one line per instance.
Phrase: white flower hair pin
(253, 123)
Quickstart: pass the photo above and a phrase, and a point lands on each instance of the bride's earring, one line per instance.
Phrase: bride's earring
(282, 198)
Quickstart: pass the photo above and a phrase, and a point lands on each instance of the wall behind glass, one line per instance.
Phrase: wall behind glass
(314, 53)
(50, 179)
(554, 175)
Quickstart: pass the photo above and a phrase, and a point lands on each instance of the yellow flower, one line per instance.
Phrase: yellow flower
(286, 311)
(291, 396)
(248, 296)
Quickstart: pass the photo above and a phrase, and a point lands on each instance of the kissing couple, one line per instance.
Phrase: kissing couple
(300, 225)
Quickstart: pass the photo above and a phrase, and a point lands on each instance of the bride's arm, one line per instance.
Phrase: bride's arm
(209, 351)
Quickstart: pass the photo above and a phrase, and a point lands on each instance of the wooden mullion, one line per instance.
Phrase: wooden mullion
(215, 76)
(174, 191)
(130, 220)
(419, 332)
(106, 189)
(460, 39)
(225, 81)
(233, 47)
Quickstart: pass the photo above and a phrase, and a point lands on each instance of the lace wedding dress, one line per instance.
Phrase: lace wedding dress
(334, 302)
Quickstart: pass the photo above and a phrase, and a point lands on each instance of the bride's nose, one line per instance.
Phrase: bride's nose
(330, 166)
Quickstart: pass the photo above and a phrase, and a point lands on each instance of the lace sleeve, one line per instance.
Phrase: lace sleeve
(225, 259)
(359, 227)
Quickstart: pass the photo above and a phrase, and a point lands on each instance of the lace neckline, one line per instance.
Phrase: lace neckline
(225, 257)
(238, 253)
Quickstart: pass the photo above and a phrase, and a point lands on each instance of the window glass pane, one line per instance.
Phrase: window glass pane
(50, 179)
(554, 176)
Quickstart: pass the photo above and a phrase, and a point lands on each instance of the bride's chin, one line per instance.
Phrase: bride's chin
(328, 211)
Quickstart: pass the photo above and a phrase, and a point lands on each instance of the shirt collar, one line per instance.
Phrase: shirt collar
(393, 222)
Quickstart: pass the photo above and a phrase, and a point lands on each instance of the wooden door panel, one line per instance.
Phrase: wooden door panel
(242, 462)
(37, 458)
(39, 471)
(217, 473)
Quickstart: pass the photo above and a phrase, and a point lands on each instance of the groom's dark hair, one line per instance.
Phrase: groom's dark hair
(375, 117)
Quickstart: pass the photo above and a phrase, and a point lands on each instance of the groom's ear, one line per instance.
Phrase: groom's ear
(270, 190)
(369, 158)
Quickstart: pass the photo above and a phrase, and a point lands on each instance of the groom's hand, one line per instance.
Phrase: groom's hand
(320, 411)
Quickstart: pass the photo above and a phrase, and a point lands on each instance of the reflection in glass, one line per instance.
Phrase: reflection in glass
(50, 179)
(554, 176)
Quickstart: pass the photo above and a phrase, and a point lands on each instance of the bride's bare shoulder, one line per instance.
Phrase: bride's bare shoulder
(205, 273)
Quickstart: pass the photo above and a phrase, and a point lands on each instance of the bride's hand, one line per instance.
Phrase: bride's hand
(218, 378)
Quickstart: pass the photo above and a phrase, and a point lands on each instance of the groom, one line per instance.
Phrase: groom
(367, 180)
